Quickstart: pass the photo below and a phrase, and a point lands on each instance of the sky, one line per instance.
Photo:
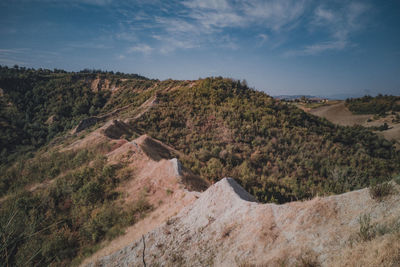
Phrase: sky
(282, 47)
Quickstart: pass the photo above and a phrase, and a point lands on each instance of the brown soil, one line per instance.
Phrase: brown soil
(339, 114)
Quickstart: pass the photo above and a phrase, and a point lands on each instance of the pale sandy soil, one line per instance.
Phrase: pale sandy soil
(157, 179)
(224, 227)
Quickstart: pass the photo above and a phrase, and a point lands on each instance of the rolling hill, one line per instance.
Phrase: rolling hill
(86, 156)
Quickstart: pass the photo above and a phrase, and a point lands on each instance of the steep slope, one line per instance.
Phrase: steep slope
(37, 105)
(225, 227)
(110, 192)
(340, 114)
(163, 181)
(277, 152)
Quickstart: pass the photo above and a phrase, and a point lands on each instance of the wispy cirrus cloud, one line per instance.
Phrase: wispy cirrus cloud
(89, 45)
(339, 24)
(263, 38)
(156, 26)
(275, 14)
(141, 48)
(12, 56)
(207, 4)
(24, 56)
(272, 14)
(206, 23)
(318, 48)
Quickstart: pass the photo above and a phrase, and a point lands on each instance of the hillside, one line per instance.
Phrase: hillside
(227, 228)
(92, 159)
(89, 193)
(339, 114)
(276, 151)
(385, 123)
(378, 105)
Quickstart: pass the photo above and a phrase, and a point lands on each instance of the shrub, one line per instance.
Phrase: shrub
(367, 230)
(90, 193)
(397, 179)
(309, 259)
(380, 191)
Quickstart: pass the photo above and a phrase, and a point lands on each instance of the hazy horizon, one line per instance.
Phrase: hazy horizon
(280, 47)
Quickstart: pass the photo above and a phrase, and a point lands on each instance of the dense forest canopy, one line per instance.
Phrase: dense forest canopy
(378, 105)
(276, 151)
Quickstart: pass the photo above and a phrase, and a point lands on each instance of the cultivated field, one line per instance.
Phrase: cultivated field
(339, 114)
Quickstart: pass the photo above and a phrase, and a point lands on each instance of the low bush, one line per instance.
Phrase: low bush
(67, 220)
(367, 230)
(396, 179)
(380, 191)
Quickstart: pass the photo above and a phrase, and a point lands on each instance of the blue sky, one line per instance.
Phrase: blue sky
(312, 47)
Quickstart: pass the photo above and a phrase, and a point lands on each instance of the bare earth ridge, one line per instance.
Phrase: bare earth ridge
(225, 227)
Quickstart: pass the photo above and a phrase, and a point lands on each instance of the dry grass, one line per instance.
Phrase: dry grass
(381, 191)
(381, 251)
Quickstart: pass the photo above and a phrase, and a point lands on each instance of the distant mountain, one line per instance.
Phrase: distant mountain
(293, 97)
(343, 96)
(331, 97)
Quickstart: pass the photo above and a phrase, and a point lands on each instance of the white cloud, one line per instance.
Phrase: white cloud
(194, 24)
(175, 25)
(141, 48)
(90, 45)
(318, 48)
(207, 4)
(96, 2)
(126, 36)
(326, 46)
(203, 21)
(215, 20)
(263, 38)
(274, 14)
(339, 24)
(9, 62)
(323, 16)
(13, 51)
(171, 44)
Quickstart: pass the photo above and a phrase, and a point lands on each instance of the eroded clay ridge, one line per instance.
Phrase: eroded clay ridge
(225, 227)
